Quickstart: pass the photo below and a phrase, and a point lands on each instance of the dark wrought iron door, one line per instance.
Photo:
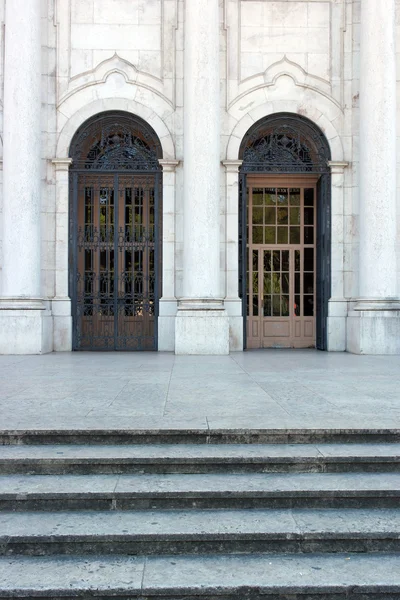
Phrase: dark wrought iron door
(115, 250)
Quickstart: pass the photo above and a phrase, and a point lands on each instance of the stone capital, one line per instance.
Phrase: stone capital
(169, 165)
(62, 164)
(232, 166)
(337, 167)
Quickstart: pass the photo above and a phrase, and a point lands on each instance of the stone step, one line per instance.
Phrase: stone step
(253, 490)
(200, 532)
(197, 436)
(199, 458)
(267, 576)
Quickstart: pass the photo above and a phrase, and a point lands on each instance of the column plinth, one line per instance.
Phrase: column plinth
(202, 325)
(25, 320)
(373, 326)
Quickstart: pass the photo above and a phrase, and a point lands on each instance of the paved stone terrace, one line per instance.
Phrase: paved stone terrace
(256, 389)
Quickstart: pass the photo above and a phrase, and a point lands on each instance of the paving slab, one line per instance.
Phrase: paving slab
(269, 389)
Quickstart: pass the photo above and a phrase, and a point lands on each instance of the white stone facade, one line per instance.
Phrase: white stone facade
(201, 85)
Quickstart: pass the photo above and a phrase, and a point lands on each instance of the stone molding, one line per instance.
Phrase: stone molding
(62, 164)
(377, 304)
(337, 167)
(232, 166)
(9, 303)
(168, 165)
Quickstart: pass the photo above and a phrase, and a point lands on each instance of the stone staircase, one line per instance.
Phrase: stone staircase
(182, 515)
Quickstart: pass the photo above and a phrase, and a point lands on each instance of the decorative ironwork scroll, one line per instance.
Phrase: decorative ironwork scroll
(115, 142)
(284, 143)
(115, 241)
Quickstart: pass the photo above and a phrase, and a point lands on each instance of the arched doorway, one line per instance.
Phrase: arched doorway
(285, 233)
(115, 233)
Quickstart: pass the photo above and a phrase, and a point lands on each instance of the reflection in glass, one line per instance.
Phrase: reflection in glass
(282, 235)
(267, 260)
(285, 306)
(257, 235)
(270, 235)
(283, 197)
(282, 216)
(285, 283)
(267, 306)
(294, 215)
(295, 235)
(295, 197)
(270, 196)
(257, 216)
(297, 283)
(270, 216)
(257, 196)
(267, 283)
(297, 306)
(285, 260)
(276, 306)
(277, 260)
(297, 260)
(255, 306)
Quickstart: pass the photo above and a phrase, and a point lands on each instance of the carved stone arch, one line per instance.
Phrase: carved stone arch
(290, 144)
(73, 119)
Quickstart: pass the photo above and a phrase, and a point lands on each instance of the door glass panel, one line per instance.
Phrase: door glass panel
(257, 195)
(295, 235)
(308, 235)
(309, 197)
(283, 235)
(270, 196)
(282, 197)
(270, 235)
(270, 216)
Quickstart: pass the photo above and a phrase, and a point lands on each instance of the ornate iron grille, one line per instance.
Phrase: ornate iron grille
(285, 143)
(116, 142)
(115, 245)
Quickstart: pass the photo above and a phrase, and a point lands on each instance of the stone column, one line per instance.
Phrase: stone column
(377, 311)
(61, 303)
(233, 303)
(337, 308)
(202, 325)
(22, 311)
(168, 303)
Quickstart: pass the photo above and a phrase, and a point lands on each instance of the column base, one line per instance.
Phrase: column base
(201, 327)
(166, 325)
(336, 324)
(373, 327)
(62, 323)
(26, 326)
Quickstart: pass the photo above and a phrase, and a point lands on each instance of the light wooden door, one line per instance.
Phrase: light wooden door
(281, 263)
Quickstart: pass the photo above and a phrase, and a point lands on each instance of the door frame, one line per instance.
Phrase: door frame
(73, 246)
(258, 159)
(284, 181)
(323, 246)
